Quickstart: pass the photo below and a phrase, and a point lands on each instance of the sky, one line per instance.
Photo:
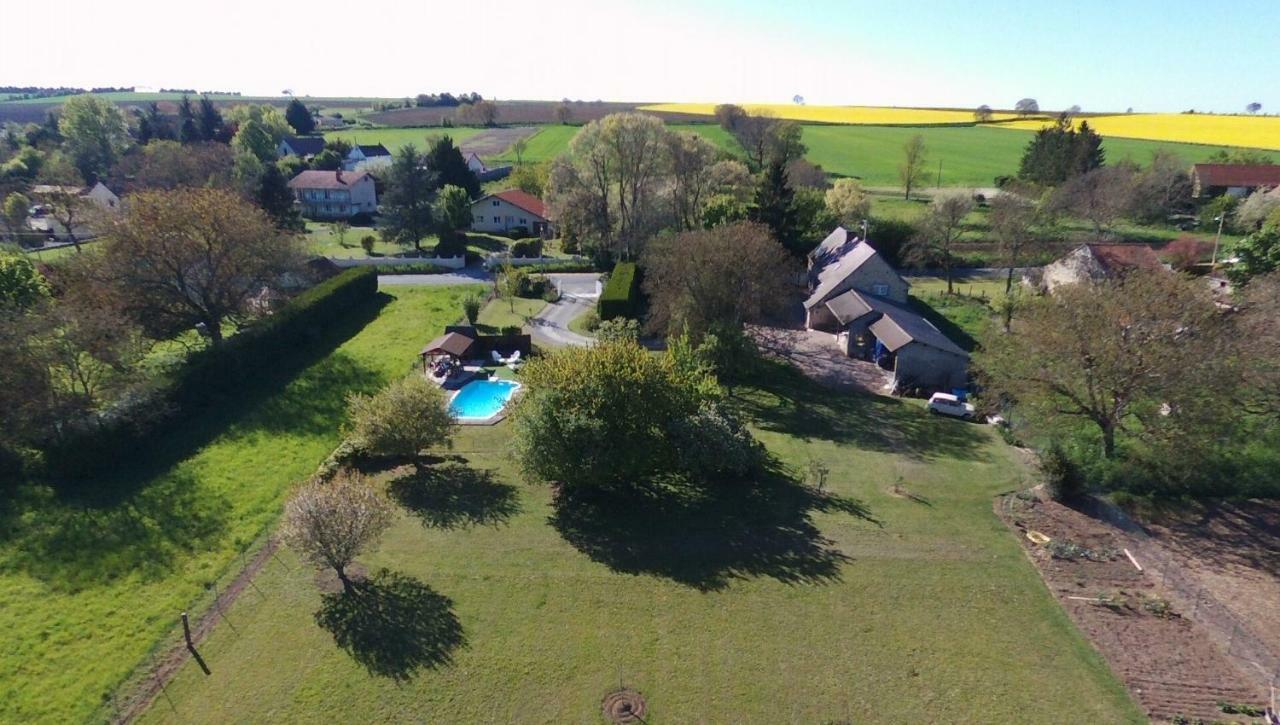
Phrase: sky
(1111, 55)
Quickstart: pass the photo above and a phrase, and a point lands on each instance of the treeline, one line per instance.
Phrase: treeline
(433, 100)
(17, 93)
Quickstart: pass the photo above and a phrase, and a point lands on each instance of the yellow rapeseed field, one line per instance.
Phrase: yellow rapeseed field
(1259, 132)
(853, 115)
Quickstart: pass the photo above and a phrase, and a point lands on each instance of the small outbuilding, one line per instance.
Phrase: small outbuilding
(1238, 180)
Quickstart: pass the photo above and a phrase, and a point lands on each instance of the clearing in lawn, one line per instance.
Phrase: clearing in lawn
(91, 580)
(893, 595)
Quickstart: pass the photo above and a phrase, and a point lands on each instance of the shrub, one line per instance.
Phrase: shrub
(1062, 477)
(590, 321)
(413, 268)
(619, 298)
(528, 248)
(367, 242)
(619, 329)
(713, 444)
(403, 419)
(518, 232)
(1216, 207)
(471, 305)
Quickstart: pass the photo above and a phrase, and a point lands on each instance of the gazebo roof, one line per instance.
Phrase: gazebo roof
(451, 343)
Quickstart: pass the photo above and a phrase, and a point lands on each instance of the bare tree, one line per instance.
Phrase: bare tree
(1101, 196)
(1013, 220)
(68, 206)
(518, 148)
(756, 134)
(915, 153)
(941, 228)
(849, 202)
(693, 178)
(330, 522)
(564, 114)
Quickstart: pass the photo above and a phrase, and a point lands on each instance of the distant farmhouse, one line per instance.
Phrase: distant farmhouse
(505, 210)
(365, 157)
(1210, 180)
(334, 194)
(303, 147)
(476, 164)
(863, 302)
(1097, 262)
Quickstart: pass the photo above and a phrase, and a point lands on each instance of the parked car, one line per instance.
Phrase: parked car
(948, 404)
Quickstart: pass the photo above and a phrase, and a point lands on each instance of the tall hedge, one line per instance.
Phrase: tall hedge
(210, 374)
(620, 297)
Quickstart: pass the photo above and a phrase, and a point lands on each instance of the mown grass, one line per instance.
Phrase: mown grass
(544, 144)
(322, 240)
(508, 312)
(781, 605)
(970, 156)
(90, 578)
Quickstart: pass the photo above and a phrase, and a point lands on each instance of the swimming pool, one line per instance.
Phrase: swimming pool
(482, 399)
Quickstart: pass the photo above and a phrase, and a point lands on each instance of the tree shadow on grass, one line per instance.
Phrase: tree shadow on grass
(451, 495)
(781, 399)
(707, 536)
(393, 625)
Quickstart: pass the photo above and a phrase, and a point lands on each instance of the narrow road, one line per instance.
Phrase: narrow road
(578, 293)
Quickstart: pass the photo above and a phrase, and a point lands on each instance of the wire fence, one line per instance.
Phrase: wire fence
(1237, 638)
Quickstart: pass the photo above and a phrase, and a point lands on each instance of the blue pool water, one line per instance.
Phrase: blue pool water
(480, 399)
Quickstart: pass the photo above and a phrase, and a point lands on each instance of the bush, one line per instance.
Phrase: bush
(518, 232)
(619, 298)
(211, 374)
(619, 329)
(363, 219)
(590, 321)
(471, 308)
(1216, 207)
(1062, 477)
(529, 248)
(403, 419)
(413, 268)
(367, 242)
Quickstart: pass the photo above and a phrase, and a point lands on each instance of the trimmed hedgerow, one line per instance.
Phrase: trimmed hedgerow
(620, 295)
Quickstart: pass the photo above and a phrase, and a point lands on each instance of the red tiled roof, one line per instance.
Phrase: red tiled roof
(313, 179)
(1237, 174)
(1120, 257)
(523, 200)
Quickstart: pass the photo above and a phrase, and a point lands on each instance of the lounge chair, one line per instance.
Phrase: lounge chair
(514, 360)
(497, 358)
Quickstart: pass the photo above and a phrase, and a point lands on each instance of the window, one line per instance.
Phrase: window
(497, 220)
(495, 202)
(523, 220)
(881, 290)
(478, 218)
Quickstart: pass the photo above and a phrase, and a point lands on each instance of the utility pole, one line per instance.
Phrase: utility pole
(939, 173)
(1222, 219)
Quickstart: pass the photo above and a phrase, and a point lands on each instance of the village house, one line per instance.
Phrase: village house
(476, 164)
(1238, 180)
(506, 210)
(363, 157)
(334, 194)
(42, 220)
(1096, 262)
(304, 147)
(858, 298)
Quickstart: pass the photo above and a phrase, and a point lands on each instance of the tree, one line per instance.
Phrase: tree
(276, 199)
(1240, 157)
(725, 276)
(164, 164)
(446, 160)
(518, 148)
(729, 115)
(941, 228)
(982, 114)
(784, 141)
(14, 212)
(1060, 152)
(210, 121)
(471, 305)
(480, 113)
(62, 198)
(580, 426)
(511, 279)
(530, 178)
(849, 202)
(326, 160)
(1259, 206)
(1139, 359)
(299, 117)
(253, 137)
(756, 134)
(406, 205)
(188, 130)
(178, 259)
(1258, 254)
(723, 209)
(804, 174)
(21, 284)
(95, 133)
(452, 213)
(152, 124)
(1027, 107)
(403, 419)
(692, 176)
(1253, 107)
(1161, 189)
(330, 522)
(775, 206)
(814, 220)
(1013, 220)
(914, 156)
(1101, 196)
(563, 114)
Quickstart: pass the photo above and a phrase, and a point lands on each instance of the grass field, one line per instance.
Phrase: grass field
(971, 156)
(395, 138)
(89, 582)
(780, 607)
(500, 313)
(860, 115)
(545, 144)
(321, 240)
(1260, 132)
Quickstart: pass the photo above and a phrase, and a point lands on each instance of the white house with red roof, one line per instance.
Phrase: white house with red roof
(503, 211)
(334, 194)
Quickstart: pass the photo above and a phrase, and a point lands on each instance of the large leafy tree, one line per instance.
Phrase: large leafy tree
(445, 159)
(179, 259)
(1140, 360)
(276, 198)
(164, 164)
(407, 417)
(1258, 254)
(724, 276)
(299, 116)
(21, 284)
(407, 203)
(95, 133)
(452, 214)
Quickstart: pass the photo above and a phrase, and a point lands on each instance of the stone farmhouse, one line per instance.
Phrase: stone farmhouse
(1094, 263)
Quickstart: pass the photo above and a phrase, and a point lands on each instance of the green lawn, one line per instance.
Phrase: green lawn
(862, 604)
(545, 144)
(89, 582)
(321, 240)
(970, 156)
(395, 138)
(508, 312)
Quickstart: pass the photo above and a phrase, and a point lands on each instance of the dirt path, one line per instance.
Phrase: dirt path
(494, 141)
